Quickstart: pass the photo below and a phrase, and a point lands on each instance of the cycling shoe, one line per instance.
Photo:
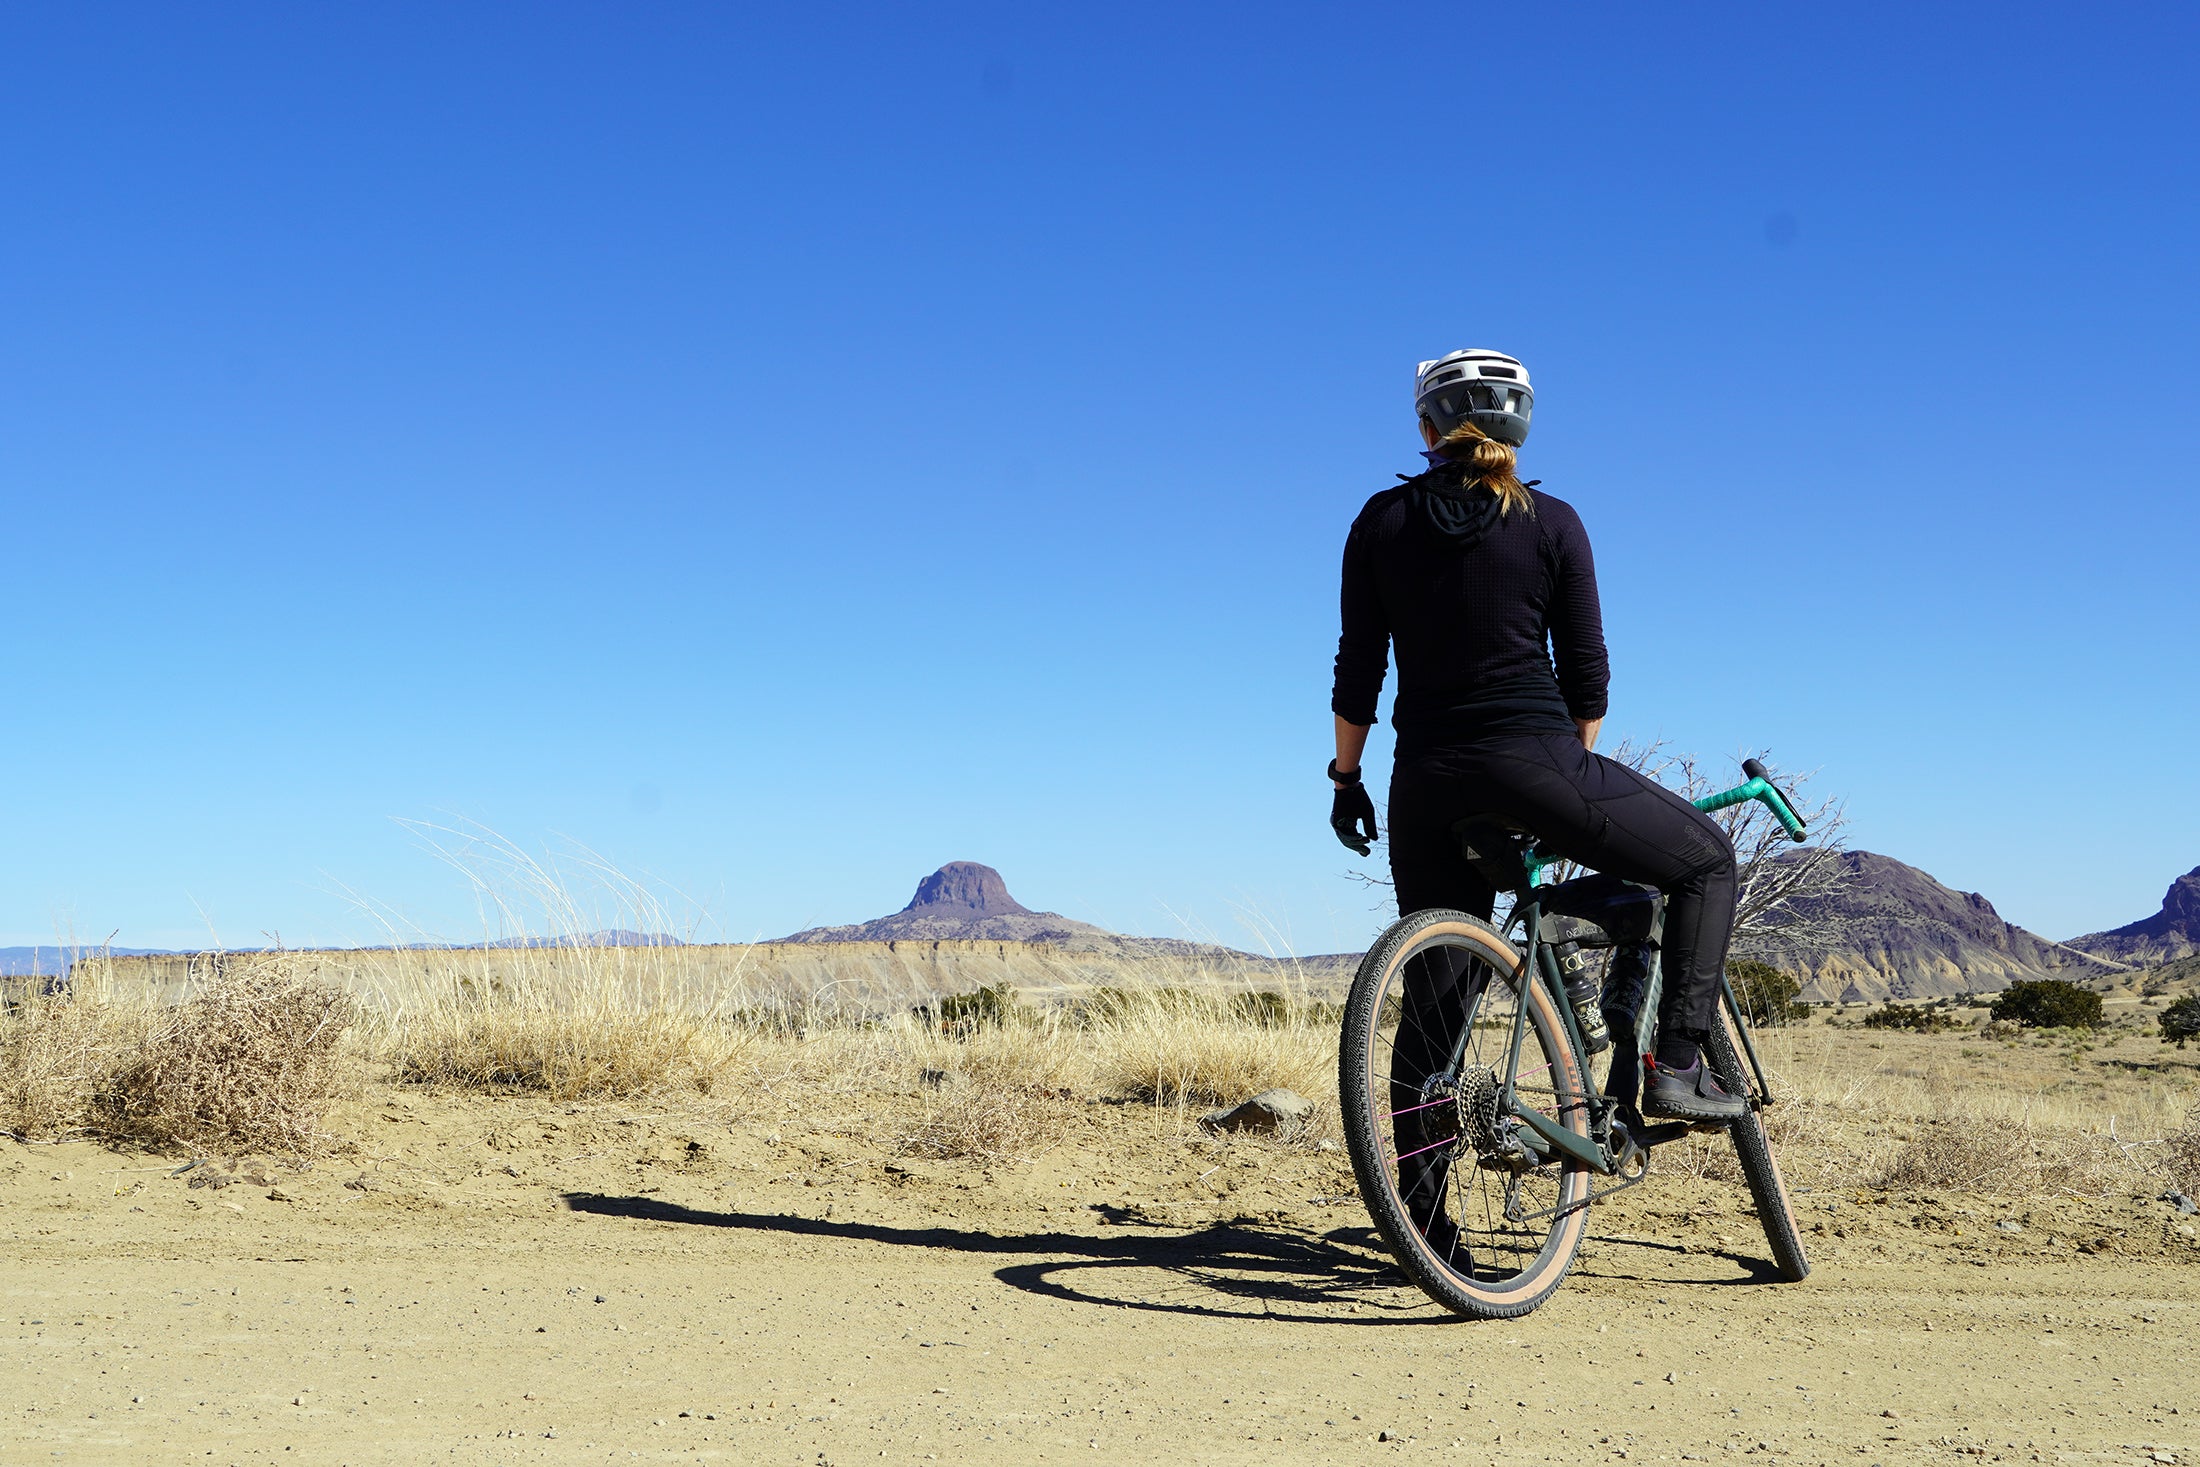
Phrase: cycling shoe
(1690, 1095)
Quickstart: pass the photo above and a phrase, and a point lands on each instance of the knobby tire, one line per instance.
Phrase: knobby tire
(1766, 1189)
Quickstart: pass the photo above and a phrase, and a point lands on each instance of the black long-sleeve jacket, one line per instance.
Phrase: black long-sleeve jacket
(1475, 624)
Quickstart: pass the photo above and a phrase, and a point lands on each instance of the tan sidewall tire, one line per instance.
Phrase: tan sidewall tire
(1379, 977)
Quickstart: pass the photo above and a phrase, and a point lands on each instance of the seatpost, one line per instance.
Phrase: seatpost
(1527, 907)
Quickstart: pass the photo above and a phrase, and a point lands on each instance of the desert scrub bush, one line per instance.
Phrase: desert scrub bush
(1975, 1154)
(2181, 1154)
(962, 1013)
(2049, 1003)
(1766, 994)
(1914, 1018)
(2180, 1022)
(249, 1064)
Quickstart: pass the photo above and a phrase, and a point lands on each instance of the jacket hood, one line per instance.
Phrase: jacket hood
(1458, 510)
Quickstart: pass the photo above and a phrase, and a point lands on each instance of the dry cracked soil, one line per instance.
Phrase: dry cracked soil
(510, 1281)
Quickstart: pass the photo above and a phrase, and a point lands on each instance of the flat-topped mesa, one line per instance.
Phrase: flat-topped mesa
(966, 886)
(965, 901)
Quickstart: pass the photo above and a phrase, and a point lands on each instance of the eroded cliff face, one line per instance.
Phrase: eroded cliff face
(2168, 935)
(1905, 935)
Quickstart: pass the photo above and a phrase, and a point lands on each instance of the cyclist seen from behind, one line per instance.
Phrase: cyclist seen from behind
(1486, 588)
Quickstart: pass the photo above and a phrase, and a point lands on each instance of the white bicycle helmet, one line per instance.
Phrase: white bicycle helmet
(1484, 387)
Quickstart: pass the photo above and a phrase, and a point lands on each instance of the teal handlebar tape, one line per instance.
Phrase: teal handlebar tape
(1756, 789)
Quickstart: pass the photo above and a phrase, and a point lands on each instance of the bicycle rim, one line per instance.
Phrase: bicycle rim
(1484, 1234)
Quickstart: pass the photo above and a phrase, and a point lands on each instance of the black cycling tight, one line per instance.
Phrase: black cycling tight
(1582, 805)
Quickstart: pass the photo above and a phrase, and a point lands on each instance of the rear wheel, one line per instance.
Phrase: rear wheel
(1486, 1225)
(1766, 1188)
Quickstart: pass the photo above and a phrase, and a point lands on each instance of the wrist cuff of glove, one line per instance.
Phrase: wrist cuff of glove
(1349, 777)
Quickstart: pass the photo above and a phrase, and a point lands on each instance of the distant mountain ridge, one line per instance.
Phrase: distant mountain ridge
(2168, 935)
(52, 959)
(1904, 934)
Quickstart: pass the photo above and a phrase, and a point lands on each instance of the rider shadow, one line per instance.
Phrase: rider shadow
(1222, 1271)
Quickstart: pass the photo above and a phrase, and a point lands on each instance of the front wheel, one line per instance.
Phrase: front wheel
(1484, 1222)
(1762, 1171)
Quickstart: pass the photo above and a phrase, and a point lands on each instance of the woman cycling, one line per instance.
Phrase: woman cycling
(1478, 580)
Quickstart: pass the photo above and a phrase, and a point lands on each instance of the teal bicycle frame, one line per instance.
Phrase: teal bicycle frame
(1540, 966)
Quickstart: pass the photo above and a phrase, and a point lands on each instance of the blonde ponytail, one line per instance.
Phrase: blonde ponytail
(1489, 462)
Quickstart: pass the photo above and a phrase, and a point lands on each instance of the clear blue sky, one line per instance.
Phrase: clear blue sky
(789, 448)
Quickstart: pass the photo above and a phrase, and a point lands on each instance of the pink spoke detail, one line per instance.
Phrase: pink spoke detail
(1431, 1147)
(1409, 1110)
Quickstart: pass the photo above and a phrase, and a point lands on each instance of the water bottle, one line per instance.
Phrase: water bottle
(1584, 992)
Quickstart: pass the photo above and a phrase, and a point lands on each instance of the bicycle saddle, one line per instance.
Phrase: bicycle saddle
(1495, 846)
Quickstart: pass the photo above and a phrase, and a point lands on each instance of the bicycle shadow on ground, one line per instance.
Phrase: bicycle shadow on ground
(1605, 1256)
(1221, 1271)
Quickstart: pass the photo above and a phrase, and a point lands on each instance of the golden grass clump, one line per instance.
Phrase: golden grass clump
(1001, 1090)
(991, 1119)
(1930, 1112)
(57, 1052)
(1164, 1047)
(593, 1048)
(1972, 1154)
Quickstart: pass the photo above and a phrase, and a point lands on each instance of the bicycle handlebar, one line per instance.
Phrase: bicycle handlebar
(1760, 787)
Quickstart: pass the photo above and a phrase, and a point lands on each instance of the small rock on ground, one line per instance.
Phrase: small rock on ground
(1271, 1110)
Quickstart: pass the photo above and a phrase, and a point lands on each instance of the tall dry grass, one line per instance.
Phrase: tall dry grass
(597, 1034)
(58, 1051)
(557, 1012)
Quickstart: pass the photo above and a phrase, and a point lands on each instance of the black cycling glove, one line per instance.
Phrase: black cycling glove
(1352, 815)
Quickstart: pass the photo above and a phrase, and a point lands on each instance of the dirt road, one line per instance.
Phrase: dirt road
(510, 1285)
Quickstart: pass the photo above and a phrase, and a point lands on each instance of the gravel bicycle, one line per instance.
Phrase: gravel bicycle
(1464, 1071)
